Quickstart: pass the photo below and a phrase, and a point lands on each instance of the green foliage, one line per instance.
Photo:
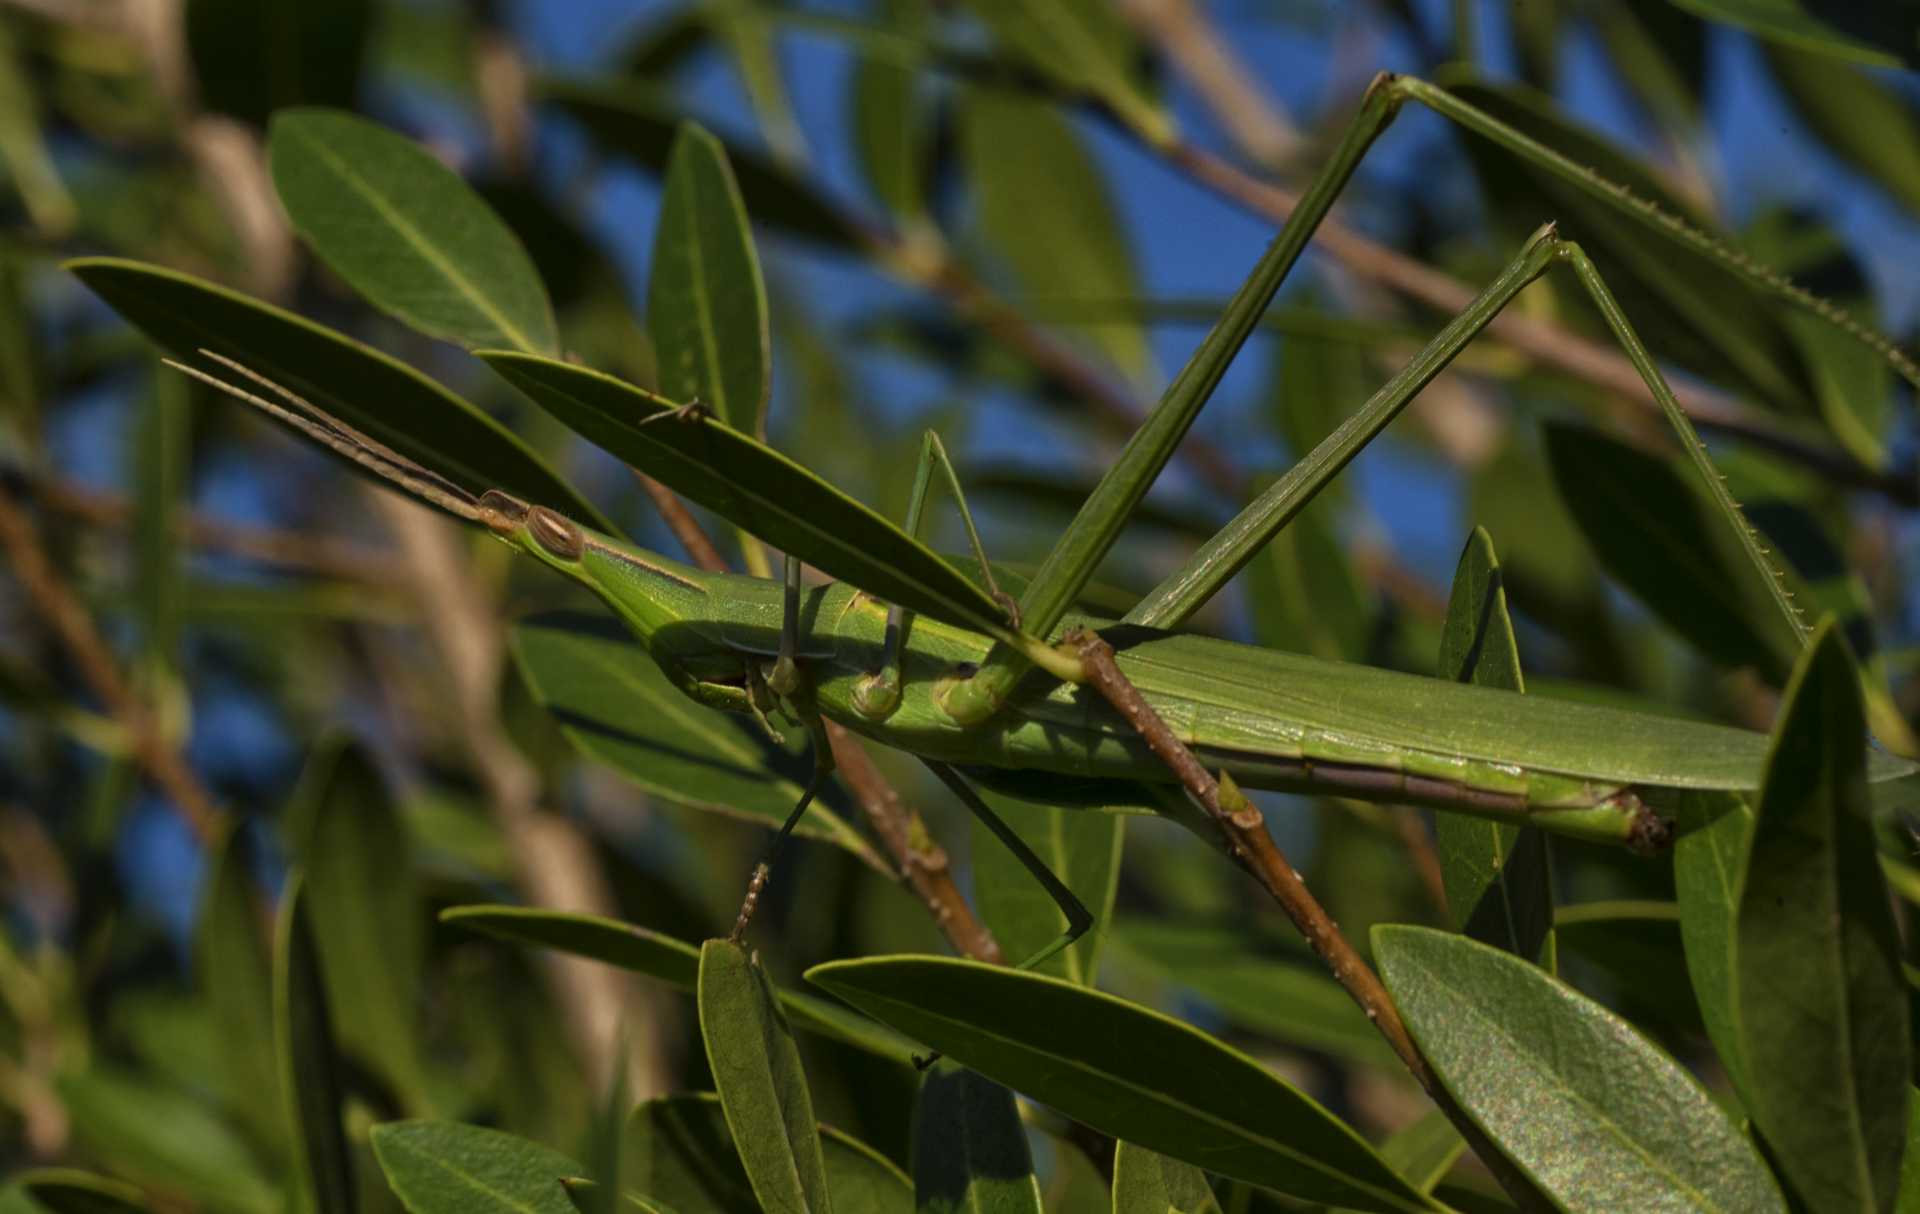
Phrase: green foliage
(466, 843)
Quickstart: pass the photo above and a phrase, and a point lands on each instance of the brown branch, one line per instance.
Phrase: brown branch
(555, 861)
(316, 554)
(1252, 847)
(1593, 361)
(921, 861)
(68, 617)
(1207, 63)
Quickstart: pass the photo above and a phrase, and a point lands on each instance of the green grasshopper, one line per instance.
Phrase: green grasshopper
(967, 685)
(1270, 719)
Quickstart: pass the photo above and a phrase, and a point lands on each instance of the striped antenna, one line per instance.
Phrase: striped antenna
(337, 436)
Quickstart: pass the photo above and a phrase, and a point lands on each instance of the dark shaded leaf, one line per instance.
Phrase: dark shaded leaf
(1595, 1115)
(1662, 541)
(1082, 848)
(70, 1191)
(407, 232)
(1126, 1071)
(252, 57)
(1823, 1008)
(1499, 878)
(632, 119)
(678, 1151)
(1271, 988)
(1877, 31)
(366, 914)
(672, 961)
(160, 1136)
(236, 982)
(598, 682)
(970, 1151)
(763, 1088)
(368, 390)
(310, 1070)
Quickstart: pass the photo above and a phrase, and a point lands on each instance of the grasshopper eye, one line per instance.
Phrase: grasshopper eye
(555, 534)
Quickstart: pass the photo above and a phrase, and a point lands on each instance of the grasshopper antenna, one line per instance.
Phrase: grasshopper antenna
(342, 439)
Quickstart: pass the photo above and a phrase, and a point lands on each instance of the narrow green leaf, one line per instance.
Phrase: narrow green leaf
(1083, 850)
(71, 1191)
(252, 57)
(1045, 207)
(1595, 1114)
(1856, 117)
(672, 961)
(1498, 878)
(407, 232)
(1084, 46)
(1663, 542)
(1266, 986)
(310, 1070)
(1146, 1183)
(756, 1069)
(163, 1138)
(1305, 595)
(368, 390)
(753, 487)
(159, 452)
(26, 161)
(342, 826)
(1823, 1008)
(1626, 940)
(970, 1151)
(1709, 874)
(1126, 1071)
(706, 301)
(1877, 33)
(890, 123)
(632, 119)
(678, 1152)
(1425, 1150)
(1909, 1198)
(236, 982)
(598, 682)
(442, 1167)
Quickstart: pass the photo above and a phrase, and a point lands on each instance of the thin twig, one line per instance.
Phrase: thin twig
(1252, 847)
(921, 861)
(1593, 361)
(62, 610)
(316, 554)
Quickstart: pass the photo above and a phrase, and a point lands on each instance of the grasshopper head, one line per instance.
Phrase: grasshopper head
(545, 534)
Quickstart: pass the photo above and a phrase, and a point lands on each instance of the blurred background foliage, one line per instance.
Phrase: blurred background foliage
(961, 228)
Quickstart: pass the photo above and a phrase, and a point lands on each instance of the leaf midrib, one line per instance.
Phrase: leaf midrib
(413, 236)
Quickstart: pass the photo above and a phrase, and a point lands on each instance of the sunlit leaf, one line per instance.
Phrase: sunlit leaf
(370, 391)
(706, 303)
(441, 1167)
(1595, 1114)
(763, 1088)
